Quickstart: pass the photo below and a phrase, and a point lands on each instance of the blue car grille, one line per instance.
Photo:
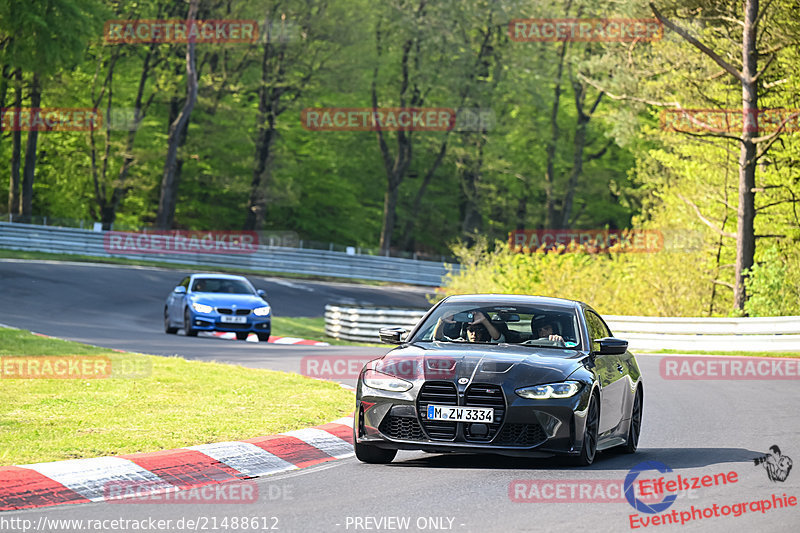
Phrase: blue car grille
(229, 311)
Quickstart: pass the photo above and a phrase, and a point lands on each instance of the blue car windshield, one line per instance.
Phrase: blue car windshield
(228, 286)
(529, 325)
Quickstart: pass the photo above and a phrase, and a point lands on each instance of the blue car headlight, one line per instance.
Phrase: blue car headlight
(565, 389)
(261, 311)
(202, 308)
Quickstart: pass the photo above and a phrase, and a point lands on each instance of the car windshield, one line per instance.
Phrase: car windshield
(229, 286)
(533, 325)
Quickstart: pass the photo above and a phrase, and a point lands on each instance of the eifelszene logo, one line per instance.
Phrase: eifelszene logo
(777, 466)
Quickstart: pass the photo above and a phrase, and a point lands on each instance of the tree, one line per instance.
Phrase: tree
(752, 146)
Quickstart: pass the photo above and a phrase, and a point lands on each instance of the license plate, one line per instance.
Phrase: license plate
(233, 319)
(461, 414)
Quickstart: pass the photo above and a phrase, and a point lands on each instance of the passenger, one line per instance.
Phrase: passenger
(480, 329)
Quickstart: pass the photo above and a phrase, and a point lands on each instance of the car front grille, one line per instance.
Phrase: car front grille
(479, 395)
(229, 311)
(437, 393)
(401, 428)
(523, 435)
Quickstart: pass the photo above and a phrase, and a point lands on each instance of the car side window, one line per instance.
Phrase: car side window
(597, 329)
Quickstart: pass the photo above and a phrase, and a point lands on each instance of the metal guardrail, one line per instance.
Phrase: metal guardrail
(267, 258)
(363, 324)
(642, 333)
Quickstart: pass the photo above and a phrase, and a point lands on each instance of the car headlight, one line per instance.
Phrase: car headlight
(202, 308)
(261, 311)
(551, 390)
(381, 381)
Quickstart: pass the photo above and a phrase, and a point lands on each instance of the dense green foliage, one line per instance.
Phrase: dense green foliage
(575, 140)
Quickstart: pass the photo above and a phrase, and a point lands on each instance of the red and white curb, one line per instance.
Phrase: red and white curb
(253, 338)
(87, 480)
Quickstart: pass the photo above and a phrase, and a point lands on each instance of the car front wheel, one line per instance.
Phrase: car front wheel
(372, 454)
(241, 336)
(636, 424)
(187, 324)
(590, 433)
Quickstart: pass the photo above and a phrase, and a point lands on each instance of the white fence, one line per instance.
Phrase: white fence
(642, 333)
(267, 258)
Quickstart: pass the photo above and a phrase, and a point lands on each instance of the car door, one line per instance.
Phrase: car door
(176, 301)
(610, 372)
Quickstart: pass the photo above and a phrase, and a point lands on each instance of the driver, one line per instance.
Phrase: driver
(545, 329)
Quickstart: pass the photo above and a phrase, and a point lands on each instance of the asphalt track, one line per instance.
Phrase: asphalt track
(695, 427)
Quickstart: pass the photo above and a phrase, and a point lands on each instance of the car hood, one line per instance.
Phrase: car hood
(227, 300)
(480, 363)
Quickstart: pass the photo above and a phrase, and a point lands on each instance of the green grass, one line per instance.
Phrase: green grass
(310, 328)
(751, 354)
(21, 254)
(158, 403)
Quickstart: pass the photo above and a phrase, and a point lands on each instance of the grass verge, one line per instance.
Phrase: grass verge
(750, 354)
(150, 403)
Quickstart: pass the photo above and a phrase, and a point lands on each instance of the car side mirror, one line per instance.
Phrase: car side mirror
(262, 293)
(392, 335)
(612, 346)
(180, 289)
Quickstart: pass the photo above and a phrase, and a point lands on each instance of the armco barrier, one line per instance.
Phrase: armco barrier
(363, 324)
(643, 333)
(267, 258)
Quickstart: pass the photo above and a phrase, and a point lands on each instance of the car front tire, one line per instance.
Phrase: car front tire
(187, 324)
(590, 433)
(372, 454)
(263, 337)
(167, 327)
(635, 428)
(241, 336)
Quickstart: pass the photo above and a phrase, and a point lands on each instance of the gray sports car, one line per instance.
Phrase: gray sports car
(512, 375)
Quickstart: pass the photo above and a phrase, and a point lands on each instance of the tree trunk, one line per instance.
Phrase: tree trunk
(30, 152)
(549, 176)
(745, 231)
(169, 182)
(262, 170)
(16, 150)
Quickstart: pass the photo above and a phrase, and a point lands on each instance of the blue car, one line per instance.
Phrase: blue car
(218, 302)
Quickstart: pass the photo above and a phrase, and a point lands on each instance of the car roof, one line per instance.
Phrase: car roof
(218, 276)
(515, 299)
